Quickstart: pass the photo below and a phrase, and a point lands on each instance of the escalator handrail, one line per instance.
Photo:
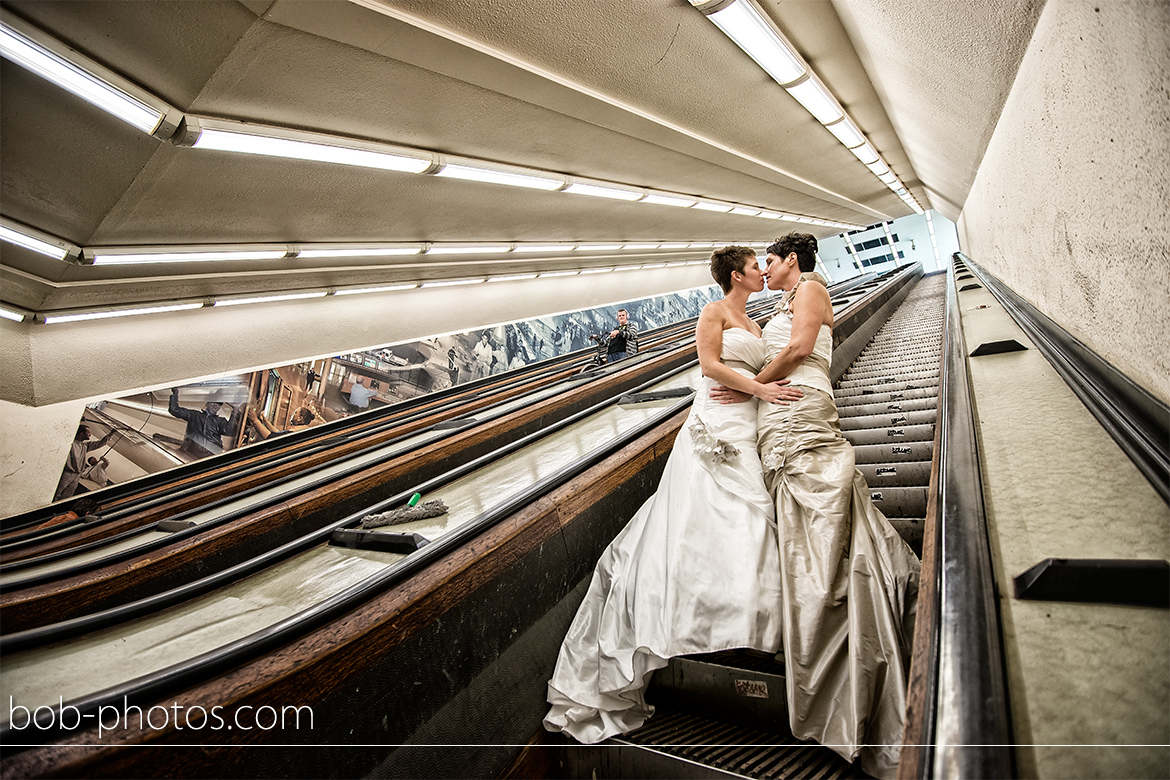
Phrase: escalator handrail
(971, 733)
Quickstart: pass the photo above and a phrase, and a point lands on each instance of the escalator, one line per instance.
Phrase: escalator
(724, 714)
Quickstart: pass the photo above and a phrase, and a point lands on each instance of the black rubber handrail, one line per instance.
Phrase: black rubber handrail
(970, 730)
(1137, 421)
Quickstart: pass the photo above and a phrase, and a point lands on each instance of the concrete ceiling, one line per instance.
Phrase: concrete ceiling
(645, 93)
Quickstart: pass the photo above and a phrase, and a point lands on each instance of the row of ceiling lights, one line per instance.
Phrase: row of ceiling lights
(753, 31)
(17, 314)
(49, 58)
(51, 246)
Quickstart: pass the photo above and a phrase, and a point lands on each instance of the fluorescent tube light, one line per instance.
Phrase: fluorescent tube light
(595, 271)
(865, 153)
(513, 278)
(501, 176)
(745, 211)
(227, 136)
(469, 250)
(549, 274)
(543, 248)
(639, 246)
(359, 251)
(879, 168)
(108, 257)
(453, 282)
(655, 265)
(598, 191)
(701, 246)
(894, 185)
(888, 177)
(107, 313)
(817, 100)
(15, 315)
(54, 61)
(42, 243)
(846, 132)
(672, 246)
(269, 298)
(708, 205)
(742, 23)
(668, 200)
(771, 214)
(598, 247)
(384, 288)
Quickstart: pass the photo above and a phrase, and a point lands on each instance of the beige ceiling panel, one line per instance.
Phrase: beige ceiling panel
(943, 70)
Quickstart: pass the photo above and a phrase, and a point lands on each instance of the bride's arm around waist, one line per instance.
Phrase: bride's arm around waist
(709, 342)
(811, 308)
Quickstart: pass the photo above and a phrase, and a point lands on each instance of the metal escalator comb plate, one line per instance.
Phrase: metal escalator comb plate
(655, 395)
(171, 526)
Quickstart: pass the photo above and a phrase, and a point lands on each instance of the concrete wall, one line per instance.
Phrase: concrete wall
(1070, 205)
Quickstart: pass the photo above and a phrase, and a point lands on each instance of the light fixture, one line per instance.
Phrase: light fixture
(771, 214)
(639, 246)
(672, 246)
(816, 100)
(879, 168)
(383, 288)
(585, 271)
(667, 200)
(710, 205)
(550, 274)
(701, 246)
(888, 177)
(745, 211)
(100, 314)
(30, 238)
(500, 174)
(134, 255)
(544, 247)
(598, 247)
(13, 313)
(229, 136)
(269, 298)
(326, 251)
(742, 23)
(846, 132)
(603, 190)
(52, 60)
(655, 265)
(513, 278)
(865, 153)
(453, 282)
(471, 249)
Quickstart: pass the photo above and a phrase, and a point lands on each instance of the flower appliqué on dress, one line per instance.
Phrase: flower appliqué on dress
(716, 451)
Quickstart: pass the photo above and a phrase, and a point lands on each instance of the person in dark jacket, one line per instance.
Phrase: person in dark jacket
(623, 340)
(204, 427)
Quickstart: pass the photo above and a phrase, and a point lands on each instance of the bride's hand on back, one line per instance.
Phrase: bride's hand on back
(725, 395)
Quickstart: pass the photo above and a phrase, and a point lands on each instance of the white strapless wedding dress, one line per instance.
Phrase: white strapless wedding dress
(695, 571)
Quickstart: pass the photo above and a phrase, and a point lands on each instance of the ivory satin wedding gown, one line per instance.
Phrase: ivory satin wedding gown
(695, 571)
(850, 582)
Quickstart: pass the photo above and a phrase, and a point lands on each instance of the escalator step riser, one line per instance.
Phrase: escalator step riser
(889, 378)
(893, 453)
(853, 398)
(899, 501)
(914, 473)
(901, 433)
(906, 405)
(875, 366)
(898, 419)
(888, 387)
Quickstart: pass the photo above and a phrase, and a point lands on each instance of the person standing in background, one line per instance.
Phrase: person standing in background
(75, 463)
(205, 428)
(623, 340)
